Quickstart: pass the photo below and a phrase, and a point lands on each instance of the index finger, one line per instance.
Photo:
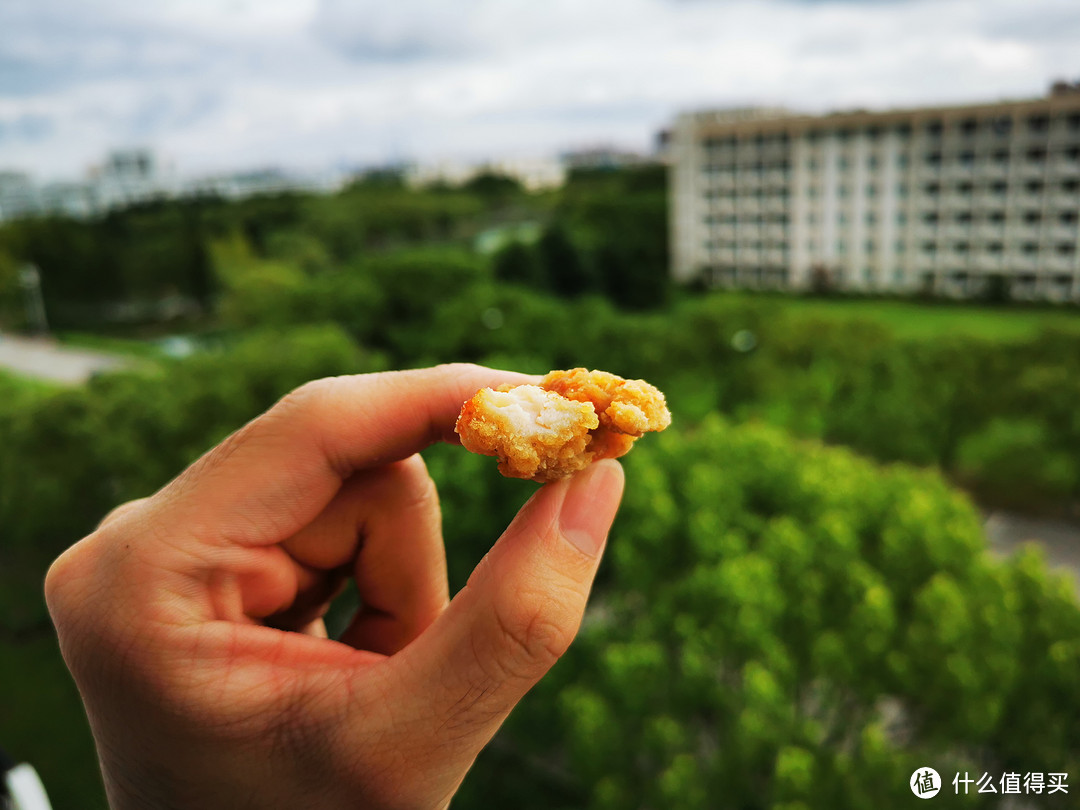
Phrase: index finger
(273, 476)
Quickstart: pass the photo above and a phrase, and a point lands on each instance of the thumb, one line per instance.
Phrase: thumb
(516, 616)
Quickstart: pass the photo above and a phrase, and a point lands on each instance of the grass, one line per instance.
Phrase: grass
(919, 320)
(125, 347)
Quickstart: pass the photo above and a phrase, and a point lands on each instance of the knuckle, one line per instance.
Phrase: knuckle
(62, 576)
(307, 396)
(535, 629)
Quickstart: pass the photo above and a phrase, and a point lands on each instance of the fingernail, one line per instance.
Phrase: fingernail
(590, 505)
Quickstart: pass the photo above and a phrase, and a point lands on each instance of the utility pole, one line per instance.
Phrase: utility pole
(30, 281)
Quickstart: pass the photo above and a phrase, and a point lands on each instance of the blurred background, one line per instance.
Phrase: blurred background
(840, 235)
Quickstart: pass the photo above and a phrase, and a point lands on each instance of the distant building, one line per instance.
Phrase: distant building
(129, 176)
(534, 174)
(134, 176)
(18, 196)
(950, 200)
(602, 157)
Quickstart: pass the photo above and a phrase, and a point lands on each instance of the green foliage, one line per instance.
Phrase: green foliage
(562, 266)
(517, 263)
(778, 624)
(782, 624)
(1016, 462)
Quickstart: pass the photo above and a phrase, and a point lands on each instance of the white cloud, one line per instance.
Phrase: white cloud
(221, 83)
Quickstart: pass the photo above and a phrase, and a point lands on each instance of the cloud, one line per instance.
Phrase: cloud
(235, 83)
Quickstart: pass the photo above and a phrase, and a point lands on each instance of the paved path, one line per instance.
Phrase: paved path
(1006, 531)
(47, 360)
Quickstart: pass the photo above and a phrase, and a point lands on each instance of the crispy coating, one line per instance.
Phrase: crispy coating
(553, 430)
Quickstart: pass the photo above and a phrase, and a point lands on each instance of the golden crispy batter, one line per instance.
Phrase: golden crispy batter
(553, 430)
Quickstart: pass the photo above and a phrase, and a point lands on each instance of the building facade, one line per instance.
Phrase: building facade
(956, 201)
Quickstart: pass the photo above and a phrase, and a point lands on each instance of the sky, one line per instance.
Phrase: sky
(215, 85)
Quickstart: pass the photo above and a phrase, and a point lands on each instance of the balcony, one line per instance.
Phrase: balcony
(1021, 262)
(777, 178)
(1023, 232)
(956, 231)
(1058, 263)
(1065, 199)
(988, 201)
(958, 171)
(988, 262)
(1063, 167)
(1063, 233)
(749, 205)
(989, 232)
(1031, 170)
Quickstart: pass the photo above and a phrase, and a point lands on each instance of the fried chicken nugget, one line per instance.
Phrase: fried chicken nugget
(558, 428)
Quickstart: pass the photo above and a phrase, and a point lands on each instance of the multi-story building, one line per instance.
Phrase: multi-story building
(951, 200)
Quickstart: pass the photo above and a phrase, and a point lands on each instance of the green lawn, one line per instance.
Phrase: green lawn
(127, 347)
(909, 319)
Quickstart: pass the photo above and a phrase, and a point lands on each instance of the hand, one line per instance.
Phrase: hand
(191, 620)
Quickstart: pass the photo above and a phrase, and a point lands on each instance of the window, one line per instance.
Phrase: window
(930, 217)
(901, 189)
(963, 217)
(871, 218)
(1038, 123)
(1068, 218)
(1066, 249)
(967, 127)
(1033, 186)
(900, 246)
(964, 188)
(1071, 186)
(933, 129)
(1000, 157)
(870, 246)
(903, 130)
(1032, 217)
(872, 161)
(1029, 249)
(995, 247)
(1036, 155)
(843, 162)
(901, 218)
(929, 248)
(1001, 126)
(933, 158)
(966, 158)
(999, 187)
(871, 190)
(932, 189)
(996, 217)
(902, 161)
(961, 247)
